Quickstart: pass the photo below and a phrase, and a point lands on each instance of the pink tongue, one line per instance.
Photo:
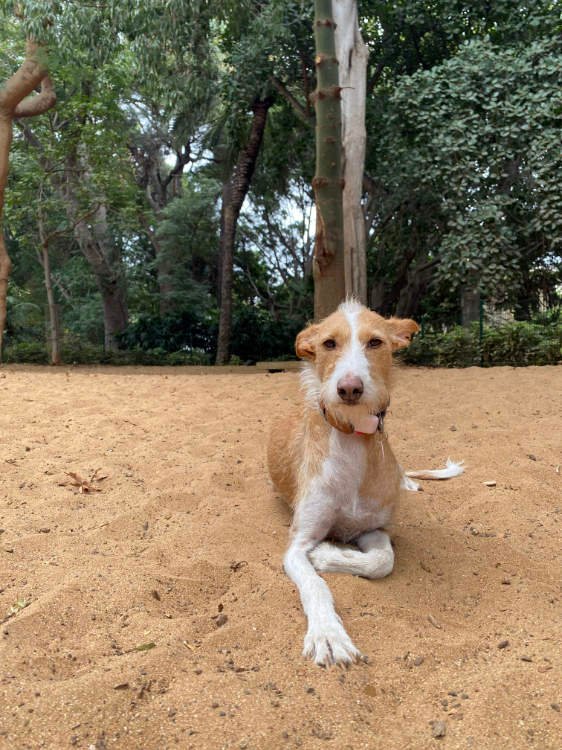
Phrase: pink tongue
(367, 425)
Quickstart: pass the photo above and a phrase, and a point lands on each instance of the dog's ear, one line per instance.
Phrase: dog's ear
(305, 344)
(401, 331)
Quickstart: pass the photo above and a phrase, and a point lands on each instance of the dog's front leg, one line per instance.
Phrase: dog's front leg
(326, 641)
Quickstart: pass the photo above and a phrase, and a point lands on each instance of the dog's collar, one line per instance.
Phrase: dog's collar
(380, 427)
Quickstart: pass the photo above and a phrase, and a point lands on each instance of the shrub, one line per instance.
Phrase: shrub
(27, 352)
(522, 344)
(186, 331)
(258, 334)
(85, 354)
(517, 344)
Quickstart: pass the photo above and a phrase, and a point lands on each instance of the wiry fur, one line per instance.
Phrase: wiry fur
(343, 486)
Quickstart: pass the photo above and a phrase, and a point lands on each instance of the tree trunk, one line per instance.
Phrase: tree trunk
(329, 266)
(15, 101)
(161, 184)
(470, 305)
(164, 269)
(93, 236)
(54, 322)
(99, 250)
(165, 276)
(229, 219)
(234, 193)
(5, 262)
(353, 55)
(115, 311)
(412, 293)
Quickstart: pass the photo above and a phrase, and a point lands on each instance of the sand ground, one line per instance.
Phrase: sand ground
(155, 613)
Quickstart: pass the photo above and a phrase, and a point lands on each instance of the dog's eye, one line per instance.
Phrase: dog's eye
(374, 343)
(329, 344)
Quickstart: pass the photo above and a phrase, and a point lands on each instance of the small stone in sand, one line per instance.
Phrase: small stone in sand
(503, 644)
(438, 728)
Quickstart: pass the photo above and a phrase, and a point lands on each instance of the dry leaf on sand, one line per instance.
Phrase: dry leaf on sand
(82, 485)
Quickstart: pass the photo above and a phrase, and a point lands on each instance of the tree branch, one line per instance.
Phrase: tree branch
(41, 102)
(299, 109)
(23, 82)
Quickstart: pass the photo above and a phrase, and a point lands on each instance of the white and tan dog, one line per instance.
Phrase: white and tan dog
(332, 462)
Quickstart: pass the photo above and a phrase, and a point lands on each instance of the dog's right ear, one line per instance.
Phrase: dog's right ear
(305, 344)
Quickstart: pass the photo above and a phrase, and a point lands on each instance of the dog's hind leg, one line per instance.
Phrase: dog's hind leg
(373, 559)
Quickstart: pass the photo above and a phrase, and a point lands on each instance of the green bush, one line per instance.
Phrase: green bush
(516, 344)
(185, 331)
(27, 352)
(86, 354)
(522, 343)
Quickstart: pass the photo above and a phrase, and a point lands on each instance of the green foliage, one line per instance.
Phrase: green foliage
(26, 352)
(83, 354)
(257, 334)
(187, 331)
(522, 343)
(465, 150)
(464, 116)
(517, 344)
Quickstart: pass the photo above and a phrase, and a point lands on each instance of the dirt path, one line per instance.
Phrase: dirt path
(154, 614)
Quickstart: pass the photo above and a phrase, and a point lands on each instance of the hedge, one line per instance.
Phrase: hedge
(517, 344)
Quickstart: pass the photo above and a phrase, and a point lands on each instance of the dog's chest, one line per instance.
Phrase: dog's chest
(356, 507)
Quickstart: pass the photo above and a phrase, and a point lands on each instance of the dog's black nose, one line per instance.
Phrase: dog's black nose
(350, 389)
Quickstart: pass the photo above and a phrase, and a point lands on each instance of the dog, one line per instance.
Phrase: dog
(331, 461)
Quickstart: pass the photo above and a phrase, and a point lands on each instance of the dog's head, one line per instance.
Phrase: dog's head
(350, 353)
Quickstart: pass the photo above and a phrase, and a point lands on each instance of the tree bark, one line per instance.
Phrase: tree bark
(233, 196)
(99, 249)
(470, 304)
(352, 54)
(54, 321)
(329, 266)
(5, 261)
(161, 185)
(93, 236)
(16, 100)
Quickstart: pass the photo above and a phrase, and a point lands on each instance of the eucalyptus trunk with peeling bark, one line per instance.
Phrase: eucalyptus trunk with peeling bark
(234, 193)
(329, 266)
(353, 55)
(16, 101)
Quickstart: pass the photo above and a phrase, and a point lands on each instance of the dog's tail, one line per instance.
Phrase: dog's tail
(452, 469)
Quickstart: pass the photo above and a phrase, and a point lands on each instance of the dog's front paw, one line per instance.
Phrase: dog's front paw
(330, 645)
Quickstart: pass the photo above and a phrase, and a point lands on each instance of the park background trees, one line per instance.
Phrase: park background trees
(168, 220)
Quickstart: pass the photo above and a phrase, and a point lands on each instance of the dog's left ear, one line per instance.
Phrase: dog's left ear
(401, 331)
(305, 344)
